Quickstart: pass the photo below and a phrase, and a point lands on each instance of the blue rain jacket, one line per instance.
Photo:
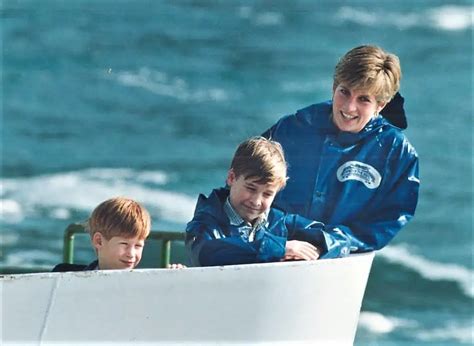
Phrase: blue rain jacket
(364, 184)
(211, 240)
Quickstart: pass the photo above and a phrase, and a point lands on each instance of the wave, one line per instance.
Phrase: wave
(30, 258)
(379, 324)
(460, 333)
(428, 269)
(161, 84)
(321, 84)
(10, 210)
(266, 18)
(60, 194)
(446, 18)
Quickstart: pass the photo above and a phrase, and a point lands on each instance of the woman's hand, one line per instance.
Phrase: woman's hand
(300, 250)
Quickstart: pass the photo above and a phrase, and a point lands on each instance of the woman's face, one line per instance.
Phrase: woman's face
(352, 109)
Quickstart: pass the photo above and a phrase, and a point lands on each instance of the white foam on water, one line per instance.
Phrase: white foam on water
(377, 323)
(156, 177)
(82, 190)
(269, 19)
(429, 269)
(462, 334)
(29, 258)
(60, 213)
(306, 86)
(452, 17)
(153, 177)
(446, 18)
(161, 84)
(265, 18)
(10, 210)
(354, 15)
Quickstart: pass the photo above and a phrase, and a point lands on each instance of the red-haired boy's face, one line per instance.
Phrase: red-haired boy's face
(118, 252)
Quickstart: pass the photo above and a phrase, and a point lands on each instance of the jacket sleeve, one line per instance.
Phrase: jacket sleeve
(333, 242)
(208, 246)
(388, 213)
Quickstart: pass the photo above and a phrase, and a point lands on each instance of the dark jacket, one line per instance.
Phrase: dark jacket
(211, 239)
(364, 184)
(69, 267)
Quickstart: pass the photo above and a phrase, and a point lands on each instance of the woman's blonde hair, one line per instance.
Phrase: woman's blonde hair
(260, 158)
(371, 69)
(120, 216)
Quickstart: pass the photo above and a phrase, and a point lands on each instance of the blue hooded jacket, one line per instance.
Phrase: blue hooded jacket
(211, 240)
(364, 184)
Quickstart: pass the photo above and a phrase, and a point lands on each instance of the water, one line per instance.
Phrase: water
(149, 99)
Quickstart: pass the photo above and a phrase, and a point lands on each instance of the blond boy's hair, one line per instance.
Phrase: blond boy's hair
(371, 69)
(260, 158)
(120, 216)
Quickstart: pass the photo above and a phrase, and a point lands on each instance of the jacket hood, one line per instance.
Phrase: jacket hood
(395, 113)
(318, 116)
(212, 205)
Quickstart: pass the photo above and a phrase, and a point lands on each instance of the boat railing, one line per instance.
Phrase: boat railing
(165, 236)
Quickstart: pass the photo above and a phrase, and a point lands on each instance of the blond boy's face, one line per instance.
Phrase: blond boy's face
(249, 198)
(118, 252)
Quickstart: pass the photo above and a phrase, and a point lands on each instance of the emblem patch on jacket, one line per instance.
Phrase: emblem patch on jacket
(355, 170)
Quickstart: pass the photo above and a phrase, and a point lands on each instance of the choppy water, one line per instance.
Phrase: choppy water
(149, 99)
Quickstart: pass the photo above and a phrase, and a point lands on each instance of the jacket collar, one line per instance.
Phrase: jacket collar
(236, 220)
(213, 204)
(92, 266)
(318, 117)
(349, 138)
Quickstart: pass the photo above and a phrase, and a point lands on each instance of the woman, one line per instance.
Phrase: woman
(349, 166)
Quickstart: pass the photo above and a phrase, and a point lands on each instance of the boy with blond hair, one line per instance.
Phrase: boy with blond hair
(118, 228)
(236, 224)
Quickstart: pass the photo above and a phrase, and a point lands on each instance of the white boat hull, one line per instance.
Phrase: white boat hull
(291, 303)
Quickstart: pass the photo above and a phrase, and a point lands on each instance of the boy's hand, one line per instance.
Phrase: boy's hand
(176, 266)
(300, 250)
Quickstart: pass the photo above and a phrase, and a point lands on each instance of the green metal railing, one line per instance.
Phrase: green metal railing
(165, 237)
